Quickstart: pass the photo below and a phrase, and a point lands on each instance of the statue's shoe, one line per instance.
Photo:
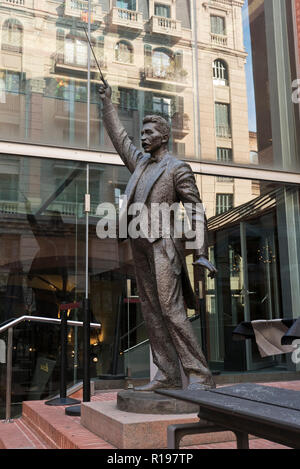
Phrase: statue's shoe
(200, 383)
(153, 385)
(200, 387)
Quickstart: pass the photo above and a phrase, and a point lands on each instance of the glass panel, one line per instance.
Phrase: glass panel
(254, 241)
(42, 247)
(263, 90)
(44, 71)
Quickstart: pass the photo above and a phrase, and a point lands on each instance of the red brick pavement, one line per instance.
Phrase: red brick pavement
(26, 433)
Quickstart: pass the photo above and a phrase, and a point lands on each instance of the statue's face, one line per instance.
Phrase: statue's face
(151, 139)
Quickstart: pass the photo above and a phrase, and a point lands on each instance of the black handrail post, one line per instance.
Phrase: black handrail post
(63, 399)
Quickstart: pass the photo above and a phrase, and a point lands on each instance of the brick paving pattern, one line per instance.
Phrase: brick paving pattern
(24, 433)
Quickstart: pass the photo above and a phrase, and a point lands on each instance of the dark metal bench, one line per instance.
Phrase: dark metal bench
(244, 409)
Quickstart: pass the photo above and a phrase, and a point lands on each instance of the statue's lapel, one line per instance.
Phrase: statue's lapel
(154, 177)
(129, 192)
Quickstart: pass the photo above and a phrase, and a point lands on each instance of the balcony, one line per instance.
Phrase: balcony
(161, 25)
(8, 207)
(61, 63)
(79, 9)
(62, 111)
(167, 75)
(14, 2)
(219, 40)
(127, 18)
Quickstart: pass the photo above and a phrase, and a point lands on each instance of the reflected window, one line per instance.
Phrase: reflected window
(218, 25)
(220, 72)
(163, 63)
(224, 155)
(9, 187)
(124, 52)
(128, 100)
(162, 106)
(222, 115)
(163, 11)
(12, 35)
(127, 4)
(224, 202)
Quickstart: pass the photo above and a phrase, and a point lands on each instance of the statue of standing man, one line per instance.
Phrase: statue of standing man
(162, 278)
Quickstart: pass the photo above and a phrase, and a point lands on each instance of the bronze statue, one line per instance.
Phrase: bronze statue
(161, 271)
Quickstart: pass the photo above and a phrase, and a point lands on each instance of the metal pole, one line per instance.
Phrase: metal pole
(86, 303)
(88, 78)
(63, 355)
(63, 399)
(9, 373)
(76, 410)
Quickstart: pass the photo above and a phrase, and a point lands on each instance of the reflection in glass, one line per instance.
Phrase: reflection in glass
(251, 245)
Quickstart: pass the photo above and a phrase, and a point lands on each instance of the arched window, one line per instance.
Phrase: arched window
(12, 35)
(163, 63)
(124, 52)
(220, 72)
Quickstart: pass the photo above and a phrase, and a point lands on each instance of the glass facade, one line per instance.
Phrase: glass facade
(224, 75)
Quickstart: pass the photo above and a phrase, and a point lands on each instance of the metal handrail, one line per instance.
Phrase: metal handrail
(10, 327)
(45, 320)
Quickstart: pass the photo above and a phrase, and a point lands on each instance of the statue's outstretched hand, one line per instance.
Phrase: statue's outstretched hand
(105, 90)
(204, 262)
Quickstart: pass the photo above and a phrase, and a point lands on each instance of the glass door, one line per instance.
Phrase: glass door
(261, 287)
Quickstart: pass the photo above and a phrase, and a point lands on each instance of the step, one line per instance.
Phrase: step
(58, 430)
(18, 435)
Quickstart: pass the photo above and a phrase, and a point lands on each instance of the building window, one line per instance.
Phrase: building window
(220, 72)
(75, 52)
(127, 4)
(222, 116)
(162, 106)
(12, 35)
(217, 25)
(163, 63)
(164, 11)
(224, 202)
(127, 100)
(9, 187)
(224, 155)
(124, 52)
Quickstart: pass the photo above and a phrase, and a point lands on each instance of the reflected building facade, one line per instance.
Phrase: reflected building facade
(221, 73)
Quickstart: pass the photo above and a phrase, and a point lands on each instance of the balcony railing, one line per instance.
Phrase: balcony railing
(223, 131)
(219, 40)
(61, 59)
(14, 2)
(129, 18)
(8, 207)
(161, 25)
(77, 8)
(164, 74)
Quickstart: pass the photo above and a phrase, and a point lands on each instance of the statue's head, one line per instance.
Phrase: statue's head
(156, 133)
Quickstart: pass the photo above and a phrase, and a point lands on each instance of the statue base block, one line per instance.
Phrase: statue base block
(128, 430)
(152, 403)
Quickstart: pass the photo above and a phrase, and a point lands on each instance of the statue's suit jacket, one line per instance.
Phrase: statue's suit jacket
(170, 181)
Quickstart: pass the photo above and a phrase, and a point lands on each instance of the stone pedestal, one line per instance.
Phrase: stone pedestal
(152, 403)
(128, 430)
